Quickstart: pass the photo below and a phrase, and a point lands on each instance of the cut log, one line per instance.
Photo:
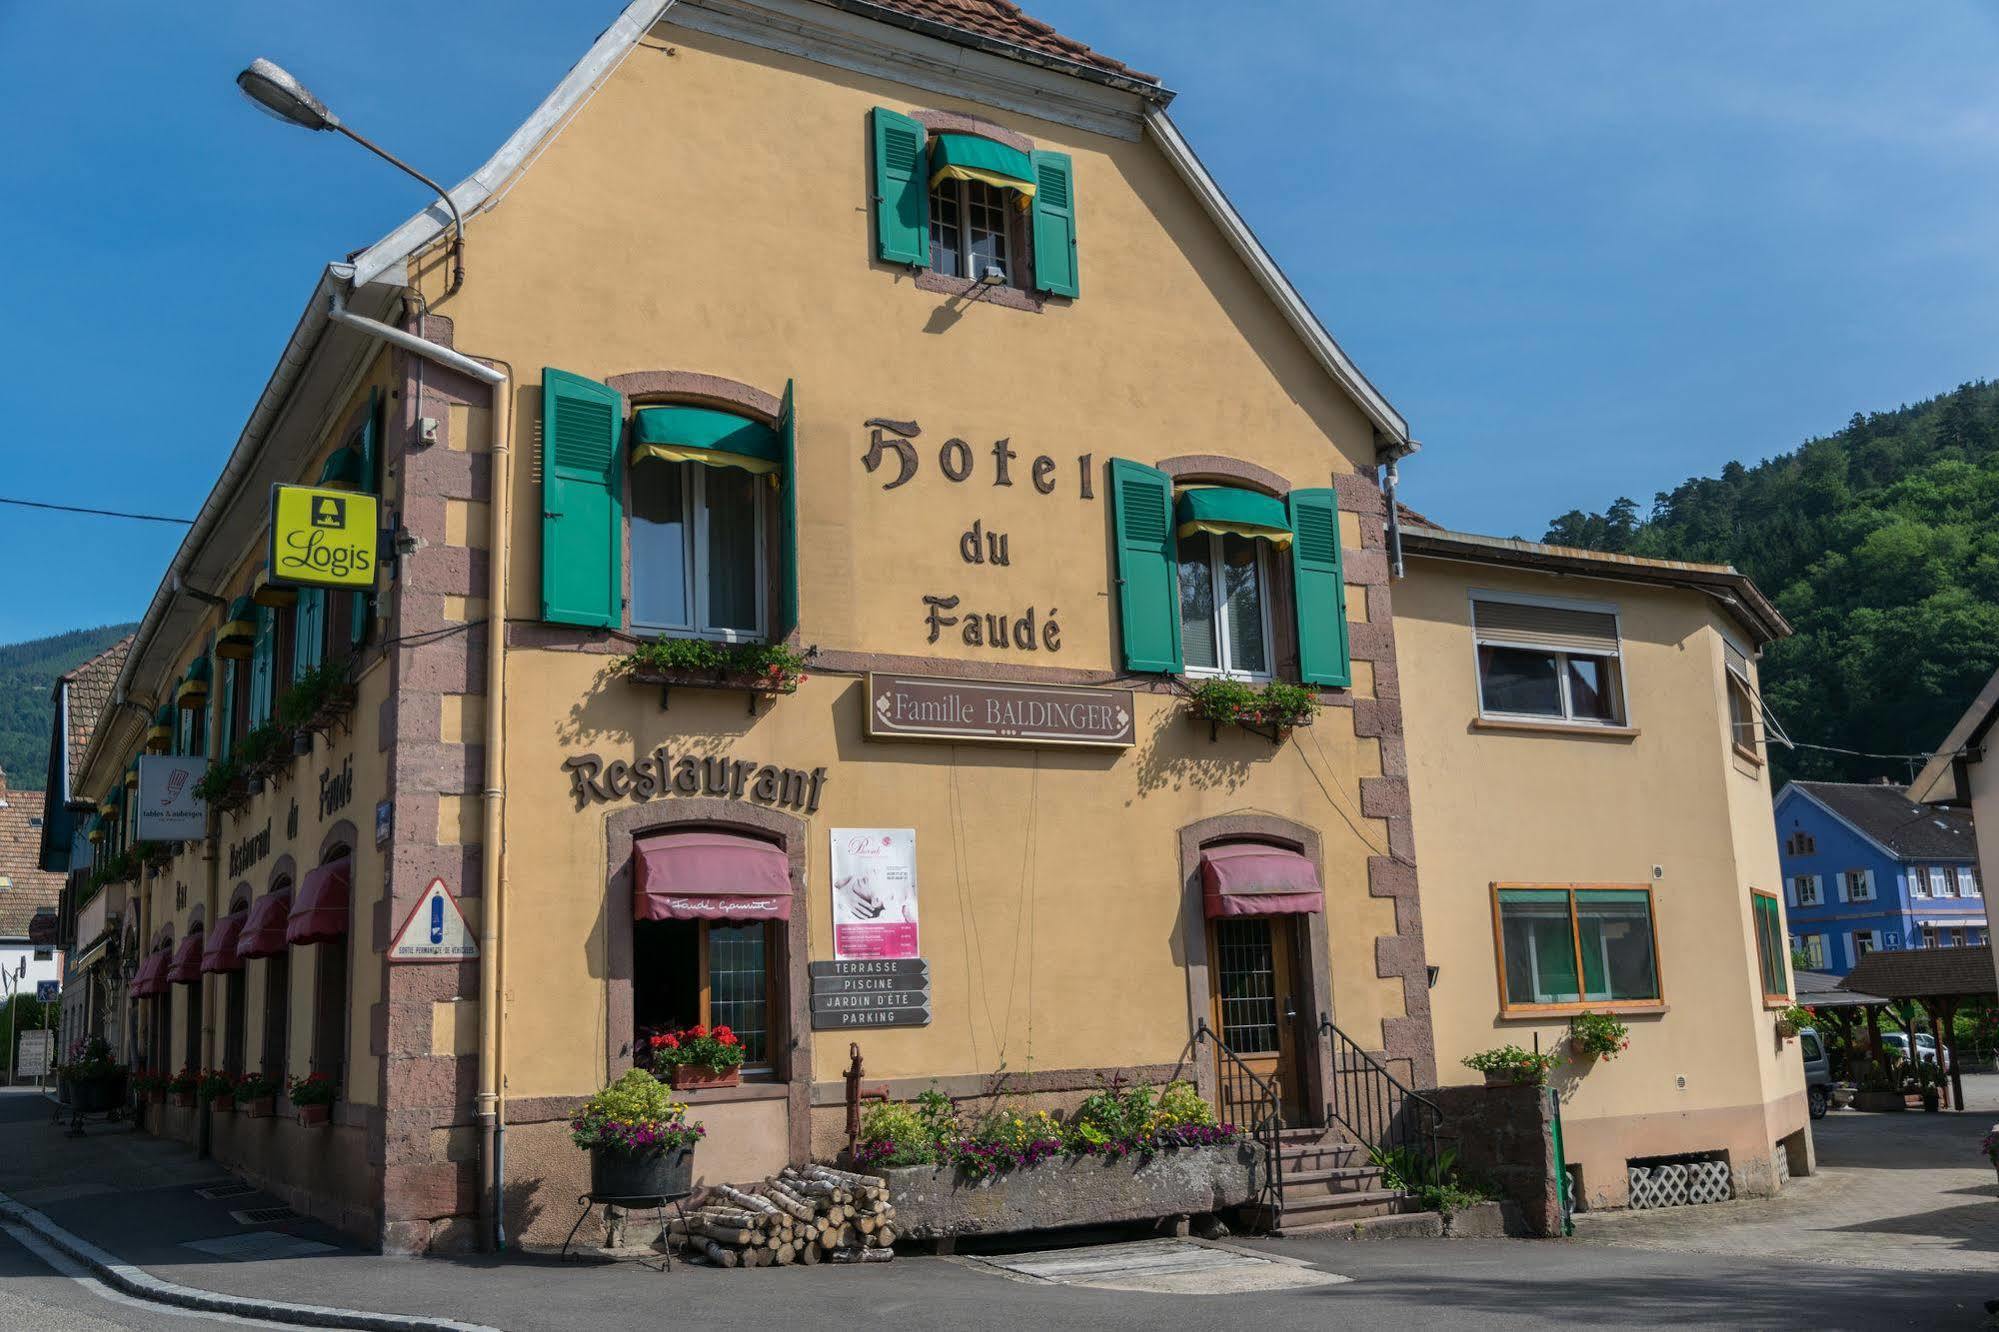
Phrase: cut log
(866, 1224)
(885, 1236)
(782, 1196)
(829, 1239)
(716, 1253)
(786, 1256)
(735, 1235)
(748, 1201)
(809, 1256)
(847, 1177)
(862, 1255)
(726, 1216)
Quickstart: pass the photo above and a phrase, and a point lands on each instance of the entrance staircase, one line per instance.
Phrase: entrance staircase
(1321, 1177)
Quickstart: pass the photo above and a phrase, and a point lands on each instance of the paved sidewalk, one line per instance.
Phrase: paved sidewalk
(1908, 1192)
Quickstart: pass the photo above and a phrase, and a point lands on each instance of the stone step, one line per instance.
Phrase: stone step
(1335, 1181)
(1305, 1214)
(1322, 1156)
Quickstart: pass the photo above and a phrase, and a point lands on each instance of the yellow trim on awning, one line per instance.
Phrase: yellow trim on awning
(159, 735)
(191, 691)
(1023, 190)
(1276, 536)
(706, 457)
(266, 593)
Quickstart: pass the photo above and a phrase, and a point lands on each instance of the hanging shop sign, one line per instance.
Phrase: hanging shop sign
(169, 810)
(322, 537)
(435, 930)
(874, 893)
(883, 992)
(922, 707)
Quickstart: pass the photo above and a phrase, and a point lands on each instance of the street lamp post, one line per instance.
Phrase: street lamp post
(281, 96)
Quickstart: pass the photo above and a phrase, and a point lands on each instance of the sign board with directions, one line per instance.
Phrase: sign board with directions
(870, 992)
(322, 537)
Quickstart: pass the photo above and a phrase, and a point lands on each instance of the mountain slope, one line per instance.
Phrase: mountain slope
(28, 674)
(1881, 545)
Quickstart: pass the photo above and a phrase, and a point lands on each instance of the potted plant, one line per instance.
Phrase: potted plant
(1792, 1020)
(182, 1087)
(760, 668)
(640, 1142)
(1279, 705)
(1929, 1083)
(313, 1097)
(1991, 1147)
(150, 1087)
(1510, 1065)
(217, 1090)
(699, 1057)
(1597, 1036)
(92, 1081)
(222, 785)
(256, 1095)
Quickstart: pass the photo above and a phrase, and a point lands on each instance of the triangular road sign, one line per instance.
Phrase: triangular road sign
(435, 930)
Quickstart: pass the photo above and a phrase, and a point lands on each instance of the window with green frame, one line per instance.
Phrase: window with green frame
(1770, 960)
(1572, 947)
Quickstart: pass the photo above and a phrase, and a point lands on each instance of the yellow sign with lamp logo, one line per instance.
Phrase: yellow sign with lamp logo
(322, 537)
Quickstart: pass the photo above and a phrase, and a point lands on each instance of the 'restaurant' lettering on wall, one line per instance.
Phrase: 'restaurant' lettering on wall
(956, 460)
(659, 773)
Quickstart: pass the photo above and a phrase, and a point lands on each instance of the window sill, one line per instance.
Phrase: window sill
(976, 292)
(1552, 727)
(1543, 1012)
(1744, 754)
(745, 1091)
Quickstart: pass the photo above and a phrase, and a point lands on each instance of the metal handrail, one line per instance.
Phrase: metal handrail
(1372, 1104)
(1239, 1087)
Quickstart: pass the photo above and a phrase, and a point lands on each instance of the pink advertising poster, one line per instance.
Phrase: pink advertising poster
(874, 893)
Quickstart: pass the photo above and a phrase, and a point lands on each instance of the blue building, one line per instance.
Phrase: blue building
(1866, 869)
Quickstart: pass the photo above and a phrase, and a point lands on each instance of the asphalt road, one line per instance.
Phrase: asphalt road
(43, 1291)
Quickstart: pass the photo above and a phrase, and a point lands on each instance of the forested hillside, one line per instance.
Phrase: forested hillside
(28, 674)
(1881, 546)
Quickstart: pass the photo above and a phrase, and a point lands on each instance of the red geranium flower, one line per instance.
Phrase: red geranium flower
(670, 1042)
(698, 1029)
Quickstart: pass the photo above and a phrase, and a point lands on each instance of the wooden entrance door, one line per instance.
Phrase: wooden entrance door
(1252, 962)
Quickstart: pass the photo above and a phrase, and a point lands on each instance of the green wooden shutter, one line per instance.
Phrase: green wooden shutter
(1318, 589)
(1055, 267)
(225, 727)
(261, 652)
(901, 195)
(1148, 570)
(787, 517)
(308, 630)
(582, 506)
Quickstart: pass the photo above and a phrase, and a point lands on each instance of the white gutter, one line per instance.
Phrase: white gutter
(1268, 275)
(338, 312)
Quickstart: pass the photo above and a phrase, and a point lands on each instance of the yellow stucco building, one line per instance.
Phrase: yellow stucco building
(1593, 816)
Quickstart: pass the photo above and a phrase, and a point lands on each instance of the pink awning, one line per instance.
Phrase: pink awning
(220, 955)
(709, 876)
(148, 980)
(186, 967)
(264, 933)
(1250, 879)
(319, 912)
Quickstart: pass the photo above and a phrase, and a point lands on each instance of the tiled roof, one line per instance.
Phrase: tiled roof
(90, 688)
(1003, 21)
(1920, 972)
(25, 887)
(1885, 813)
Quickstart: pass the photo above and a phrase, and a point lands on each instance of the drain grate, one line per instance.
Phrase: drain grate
(235, 1188)
(262, 1216)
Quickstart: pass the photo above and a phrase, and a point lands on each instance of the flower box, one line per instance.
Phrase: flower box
(687, 1077)
(224, 1105)
(742, 681)
(260, 1107)
(183, 1100)
(937, 1202)
(641, 1179)
(314, 1114)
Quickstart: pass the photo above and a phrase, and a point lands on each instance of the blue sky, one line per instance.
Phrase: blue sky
(1588, 250)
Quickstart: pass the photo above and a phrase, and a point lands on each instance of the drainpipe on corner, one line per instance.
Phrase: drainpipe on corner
(1391, 477)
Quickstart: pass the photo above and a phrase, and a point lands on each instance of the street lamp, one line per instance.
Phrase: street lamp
(280, 95)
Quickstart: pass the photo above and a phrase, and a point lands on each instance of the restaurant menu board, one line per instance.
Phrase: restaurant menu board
(874, 893)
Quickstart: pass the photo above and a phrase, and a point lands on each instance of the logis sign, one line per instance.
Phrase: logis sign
(322, 537)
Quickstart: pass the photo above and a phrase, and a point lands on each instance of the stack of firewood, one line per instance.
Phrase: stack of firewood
(805, 1214)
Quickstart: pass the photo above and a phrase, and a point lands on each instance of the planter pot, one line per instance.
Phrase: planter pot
(314, 1114)
(156, 1098)
(302, 744)
(259, 1107)
(94, 1096)
(1503, 1079)
(223, 1104)
(689, 1076)
(1787, 1029)
(1931, 1101)
(936, 1202)
(1579, 1048)
(183, 1100)
(641, 1179)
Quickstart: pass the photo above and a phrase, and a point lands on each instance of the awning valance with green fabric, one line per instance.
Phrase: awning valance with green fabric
(707, 436)
(238, 635)
(266, 593)
(95, 829)
(160, 735)
(132, 776)
(1224, 511)
(342, 470)
(193, 690)
(967, 157)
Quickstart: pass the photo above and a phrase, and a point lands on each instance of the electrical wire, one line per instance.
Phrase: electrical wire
(99, 513)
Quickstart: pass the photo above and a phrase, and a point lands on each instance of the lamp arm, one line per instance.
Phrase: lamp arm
(457, 221)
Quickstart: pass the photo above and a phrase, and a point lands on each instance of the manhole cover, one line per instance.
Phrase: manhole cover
(263, 1216)
(1170, 1266)
(233, 1189)
(258, 1246)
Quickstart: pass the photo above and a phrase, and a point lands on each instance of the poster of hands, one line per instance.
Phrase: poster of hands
(874, 893)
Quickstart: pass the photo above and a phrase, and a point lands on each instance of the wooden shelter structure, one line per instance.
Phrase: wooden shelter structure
(1940, 979)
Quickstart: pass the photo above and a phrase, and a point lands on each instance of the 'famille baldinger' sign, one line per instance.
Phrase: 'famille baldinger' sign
(921, 707)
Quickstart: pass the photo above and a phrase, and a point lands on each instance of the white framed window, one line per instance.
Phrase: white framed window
(1225, 605)
(1865, 942)
(1742, 725)
(1813, 946)
(698, 536)
(1543, 659)
(1859, 885)
(1928, 938)
(1967, 881)
(975, 230)
(1957, 938)
(1940, 884)
(1918, 885)
(1805, 890)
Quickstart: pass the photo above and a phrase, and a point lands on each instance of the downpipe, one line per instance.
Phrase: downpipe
(1391, 479)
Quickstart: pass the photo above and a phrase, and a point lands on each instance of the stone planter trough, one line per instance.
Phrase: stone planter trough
(936, 1202)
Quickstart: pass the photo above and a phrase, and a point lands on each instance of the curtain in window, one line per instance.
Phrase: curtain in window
(732, 549)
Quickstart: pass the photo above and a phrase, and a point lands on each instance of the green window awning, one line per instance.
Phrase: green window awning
(193, 690)
(704, 435)
(1225, 511)
(238, 634)
(342, 470)
(968, 157)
